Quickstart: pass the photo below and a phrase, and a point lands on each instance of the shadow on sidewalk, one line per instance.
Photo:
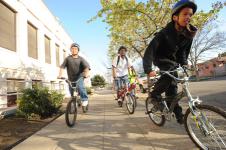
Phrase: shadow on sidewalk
(106, 126)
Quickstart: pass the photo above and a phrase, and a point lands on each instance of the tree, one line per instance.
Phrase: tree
(134, 24)
(98, 80)
(222, 54)
(207, 41)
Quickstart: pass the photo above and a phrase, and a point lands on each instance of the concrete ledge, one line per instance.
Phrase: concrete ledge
(7, 111)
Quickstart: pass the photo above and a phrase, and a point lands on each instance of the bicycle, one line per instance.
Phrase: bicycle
(205, 130)
(71, 108)
(124, 93)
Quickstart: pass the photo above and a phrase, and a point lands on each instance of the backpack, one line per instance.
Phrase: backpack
(119, 59)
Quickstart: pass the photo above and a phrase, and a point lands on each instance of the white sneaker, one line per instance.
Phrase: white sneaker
(84, 103)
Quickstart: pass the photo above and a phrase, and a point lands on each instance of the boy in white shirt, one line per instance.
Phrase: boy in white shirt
(120, 67)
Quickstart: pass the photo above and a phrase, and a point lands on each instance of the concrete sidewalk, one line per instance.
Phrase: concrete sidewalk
(106, 126)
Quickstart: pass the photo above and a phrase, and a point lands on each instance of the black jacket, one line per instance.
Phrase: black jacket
(169, 47)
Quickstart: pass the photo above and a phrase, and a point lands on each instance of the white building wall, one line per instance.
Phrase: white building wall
(17, 64)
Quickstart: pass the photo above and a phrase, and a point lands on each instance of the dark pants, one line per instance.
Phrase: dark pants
(169, 86)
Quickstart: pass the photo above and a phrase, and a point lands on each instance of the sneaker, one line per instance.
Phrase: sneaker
(84, 103)
(180, 118)
(179, 114)
(120, 102)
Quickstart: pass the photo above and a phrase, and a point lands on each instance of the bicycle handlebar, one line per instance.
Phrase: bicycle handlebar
(183, 69)
(70, 82)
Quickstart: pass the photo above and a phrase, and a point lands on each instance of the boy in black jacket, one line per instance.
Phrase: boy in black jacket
(171, 46)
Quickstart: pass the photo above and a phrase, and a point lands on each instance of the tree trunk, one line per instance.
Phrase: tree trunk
(197, 75)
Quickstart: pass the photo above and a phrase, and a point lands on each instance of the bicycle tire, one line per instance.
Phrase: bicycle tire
(135, 101)
(120, 103)
(149, 106)
(209, 124)
(79, 102)
(71, 113)
(130, 103)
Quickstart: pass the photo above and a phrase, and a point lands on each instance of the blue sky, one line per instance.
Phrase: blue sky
(92, 37)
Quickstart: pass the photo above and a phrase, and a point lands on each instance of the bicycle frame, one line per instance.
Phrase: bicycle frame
(192, 102)
(200, 118)
(74, 88)
(131, 87)
(185, 91)
(124, 89)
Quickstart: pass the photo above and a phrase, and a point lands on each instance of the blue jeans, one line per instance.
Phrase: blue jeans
(81, 90)
(121, 81)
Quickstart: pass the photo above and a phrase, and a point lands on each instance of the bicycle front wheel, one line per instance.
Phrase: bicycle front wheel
(130, 103)
(208, 128)
(71, 113)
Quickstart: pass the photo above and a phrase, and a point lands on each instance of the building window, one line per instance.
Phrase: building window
(7, 27)
(57, 55)
(47, 50)
(32, 41)
(36, 83)
(14, 87)
(214, 65)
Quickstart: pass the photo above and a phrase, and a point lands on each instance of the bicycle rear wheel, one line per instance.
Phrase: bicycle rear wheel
(120, 102)
(130, 103)
(208, 129)
(154, 113)
(71, 113)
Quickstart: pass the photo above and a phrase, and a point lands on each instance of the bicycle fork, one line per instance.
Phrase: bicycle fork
(207, 128)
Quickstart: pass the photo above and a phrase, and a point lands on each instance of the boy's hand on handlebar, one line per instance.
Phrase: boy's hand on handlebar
(186, 67)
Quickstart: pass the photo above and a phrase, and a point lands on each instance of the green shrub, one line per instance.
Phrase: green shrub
(89, 91)
(39, 101)
(56, 99)
(98, 80)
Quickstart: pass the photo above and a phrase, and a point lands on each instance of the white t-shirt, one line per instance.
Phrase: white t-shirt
(122, 67)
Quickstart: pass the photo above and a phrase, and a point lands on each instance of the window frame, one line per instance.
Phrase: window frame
(12, 46)
(36, 38)
(57, 55)
(47, 60)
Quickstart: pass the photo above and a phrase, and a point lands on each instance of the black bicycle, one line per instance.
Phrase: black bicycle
(205, 124)
(74, 102)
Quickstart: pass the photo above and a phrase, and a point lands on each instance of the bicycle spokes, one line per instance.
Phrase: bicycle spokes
(71, 108)
(207, 127)
(71, 113)
(154, 113)
(130, 103)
